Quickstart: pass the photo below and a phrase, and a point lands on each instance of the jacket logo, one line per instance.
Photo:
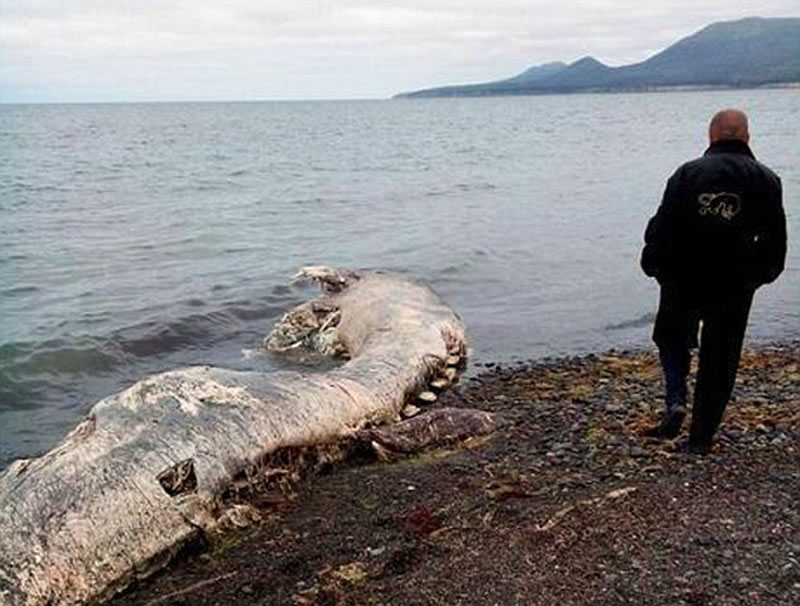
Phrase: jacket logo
(723, 204)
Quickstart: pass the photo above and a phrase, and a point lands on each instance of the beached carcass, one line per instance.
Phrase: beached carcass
(145, 473)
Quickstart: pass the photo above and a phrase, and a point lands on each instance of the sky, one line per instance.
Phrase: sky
(195, 50)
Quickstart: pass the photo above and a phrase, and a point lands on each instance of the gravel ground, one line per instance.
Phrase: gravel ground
(564, 504)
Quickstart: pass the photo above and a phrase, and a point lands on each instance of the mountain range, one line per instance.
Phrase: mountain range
(746, 53)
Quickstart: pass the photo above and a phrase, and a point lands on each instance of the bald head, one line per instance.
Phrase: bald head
(728, 124)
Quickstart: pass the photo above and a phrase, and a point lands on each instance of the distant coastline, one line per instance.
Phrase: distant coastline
(676, 88)
(746, 54)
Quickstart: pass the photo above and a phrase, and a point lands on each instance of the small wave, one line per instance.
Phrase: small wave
(246, 313)
(208, 187)
(56, 356)
(157, 338)
(44, 188)
(463, 268)
(93, 356)
(19, 290)
(467, 187)
(74, 360)
(459, 188)
(194, 330)
(64, 360)
(21, 394)
(143, 246)
(281, 289)
(639, 322)
(451, 270)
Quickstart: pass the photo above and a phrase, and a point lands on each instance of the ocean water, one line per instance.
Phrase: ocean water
(144, 237)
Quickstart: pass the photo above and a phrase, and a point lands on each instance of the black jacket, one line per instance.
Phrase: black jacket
(720, 226)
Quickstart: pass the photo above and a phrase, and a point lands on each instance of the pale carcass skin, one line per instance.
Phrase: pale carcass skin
(80, 522)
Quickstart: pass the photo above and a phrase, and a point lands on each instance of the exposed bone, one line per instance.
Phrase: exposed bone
(427, 396)
(329, 280)
(384, 454)
(144, 473)
(410, 410)
(440, 383)
(331, 320)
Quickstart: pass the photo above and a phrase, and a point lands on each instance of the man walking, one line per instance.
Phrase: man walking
(719, 234)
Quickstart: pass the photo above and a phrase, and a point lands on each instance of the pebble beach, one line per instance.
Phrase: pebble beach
(564, 503)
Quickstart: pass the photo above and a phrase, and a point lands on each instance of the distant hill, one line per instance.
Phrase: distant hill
(745, 53)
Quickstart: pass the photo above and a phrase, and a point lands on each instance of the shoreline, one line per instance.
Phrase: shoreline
(600, 90)
(565, 503)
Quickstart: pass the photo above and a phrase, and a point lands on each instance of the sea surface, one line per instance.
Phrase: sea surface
(144, 237)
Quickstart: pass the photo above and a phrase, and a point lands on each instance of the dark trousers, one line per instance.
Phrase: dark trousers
(675, 364)
(724, 320)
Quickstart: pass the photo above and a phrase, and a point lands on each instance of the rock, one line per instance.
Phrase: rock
(354, 572)
(500, 490)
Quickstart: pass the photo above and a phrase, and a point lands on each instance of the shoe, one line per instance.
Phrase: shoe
(699, 448)
(700, 437)
(670, 425)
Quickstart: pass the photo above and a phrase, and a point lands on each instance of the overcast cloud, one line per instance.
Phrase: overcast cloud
(117, 50)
